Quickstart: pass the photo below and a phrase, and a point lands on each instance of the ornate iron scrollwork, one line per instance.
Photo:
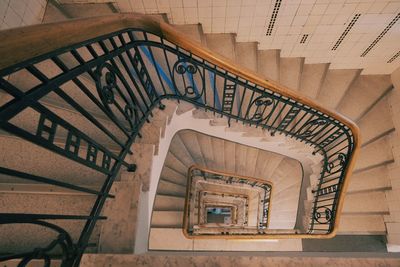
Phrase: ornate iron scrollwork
(261, 108)
(312, 128)
(336, 163)
(323, 215)
(108, 90)
(186, 76)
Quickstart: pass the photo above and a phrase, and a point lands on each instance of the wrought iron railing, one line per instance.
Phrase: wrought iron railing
(234, 182)
(112, 72)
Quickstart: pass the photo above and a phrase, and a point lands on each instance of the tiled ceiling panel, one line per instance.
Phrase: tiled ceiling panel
(346, 33)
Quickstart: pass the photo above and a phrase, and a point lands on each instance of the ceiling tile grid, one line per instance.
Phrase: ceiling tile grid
(346, 33)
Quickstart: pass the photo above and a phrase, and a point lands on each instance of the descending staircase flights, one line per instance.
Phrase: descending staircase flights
(245, 200)
(83, 101)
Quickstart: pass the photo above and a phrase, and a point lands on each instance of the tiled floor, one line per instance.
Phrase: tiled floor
(17, 13)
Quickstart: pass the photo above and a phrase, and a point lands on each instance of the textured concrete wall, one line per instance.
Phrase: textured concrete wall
(91, 260)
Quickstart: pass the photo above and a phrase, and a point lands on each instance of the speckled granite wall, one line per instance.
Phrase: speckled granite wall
(91, 260)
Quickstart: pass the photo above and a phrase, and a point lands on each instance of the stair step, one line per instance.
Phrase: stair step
(335, 86)
(160, 237)
(85, 10)
(366, 89)
(169, 203)
(312, 78)
(376, 122)
(246, 55)
(362, 224)
(173, 176)
(192, 31)
(24, 156)
(29, 121)
(267, 163)
(223, 44)
(28, 236)
(174, 239)
(290, 72)
(184, 107)
(175, 259)
(374, 153)
(365, 203)
(192, 145)
(119, 230)
(374, 179)
(174, 163)
(39, 188)
(167, 219)
(151, 134)
(268, 64)
(219, 156)
(199, 113)
(207, 150)
(168, 188)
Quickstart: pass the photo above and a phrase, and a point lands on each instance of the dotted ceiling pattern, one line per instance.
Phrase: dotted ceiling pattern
(281, 24)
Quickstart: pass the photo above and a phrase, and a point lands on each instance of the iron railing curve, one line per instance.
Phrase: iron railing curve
(133, 62)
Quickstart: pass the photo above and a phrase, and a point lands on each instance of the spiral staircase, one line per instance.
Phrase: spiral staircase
(146, 201)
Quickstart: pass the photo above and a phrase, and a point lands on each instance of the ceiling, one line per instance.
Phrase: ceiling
(346, 33)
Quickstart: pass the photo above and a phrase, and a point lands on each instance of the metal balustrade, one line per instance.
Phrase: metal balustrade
(113, 82)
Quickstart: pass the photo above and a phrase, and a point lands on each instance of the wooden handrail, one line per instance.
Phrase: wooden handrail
(21, 44)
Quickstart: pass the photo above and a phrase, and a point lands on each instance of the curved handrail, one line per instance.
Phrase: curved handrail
(42, 40)
(45, 38)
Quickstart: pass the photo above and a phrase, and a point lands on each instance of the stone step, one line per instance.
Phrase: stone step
(174, 163)
(362, 224)
(267, 163)
(171, 175)
(119, 230)
(178, 148)
(207, 150)
(151, 134)
(246, 57)
(26, 157)
(229, 259)
(367, 89)
(219, 154)
(193, 146)
(169, 203)
(17, 238)
(373, 179)
(29, 121)
(376, 122)
(184, 107)
(365, 203)
(290, 72)
(335, 86)
(374, 154)
(268, 64)
(312, 77)
(193, 31)
(173, 239)
(167, 219)
(223, 44)
(85, 10)
(171, 189)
